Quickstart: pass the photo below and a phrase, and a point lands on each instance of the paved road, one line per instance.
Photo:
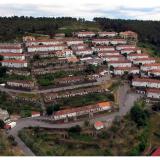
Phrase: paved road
(126, 101)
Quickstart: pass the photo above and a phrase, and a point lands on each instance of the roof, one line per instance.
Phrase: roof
(144, 59)
(53, 45)
(14, 61)
(153, 90)
(120, 61)
(105, 32)
(137, 55)
(156, 152)
(11, 54)
(86, 33)
(35, 113)
(104, 104)
(150, 65)
(126, 68)
(98, 124)
(146, 80)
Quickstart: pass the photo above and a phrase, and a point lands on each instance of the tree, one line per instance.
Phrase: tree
(75, 129)
(52, 108)
(2, 124)
(36, 57)
(1, 57)
(139, 116)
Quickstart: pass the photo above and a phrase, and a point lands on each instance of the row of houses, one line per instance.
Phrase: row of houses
(81, 111)
(24, 84)
(49, 97)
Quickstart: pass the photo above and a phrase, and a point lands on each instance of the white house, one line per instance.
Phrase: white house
(122, 63)
(74, 42)
(128, 51)
(79, 111)
(113, 58)
(11, 49)
(83, 52)
(46, 48)
(85, 34)
(154, 72)
(144, 61)
(107, 34)
(146, 82)
(121, 70)
(17, 56)
(118, 41)
(153, 93)
(131, 57)
(108, 53)
(64, 53)
(78, 46)
(14, 63)
(152, 66)
(120, 47)
(103, 48)
(44, 42)
(101, 41)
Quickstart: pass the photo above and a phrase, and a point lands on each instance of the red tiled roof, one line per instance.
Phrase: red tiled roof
(156, 152)
(14, 61)
(98, 124)
(146, 80)
(126, 68)
(11, 54)
(41, 46)
(120, 61)
(153, 90)
(154, 64)
(144, 59)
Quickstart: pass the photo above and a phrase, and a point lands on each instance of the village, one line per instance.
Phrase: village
(71, 79)
(76, 66)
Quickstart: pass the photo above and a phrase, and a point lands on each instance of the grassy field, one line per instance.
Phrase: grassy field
(13, 107)
(8, 146)
(85, 100)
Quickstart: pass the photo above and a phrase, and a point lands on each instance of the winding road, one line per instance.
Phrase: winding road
(126, 101)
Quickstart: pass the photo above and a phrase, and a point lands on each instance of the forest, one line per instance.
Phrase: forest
(13, 27)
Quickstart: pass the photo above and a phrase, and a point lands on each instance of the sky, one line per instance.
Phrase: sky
(88, 9)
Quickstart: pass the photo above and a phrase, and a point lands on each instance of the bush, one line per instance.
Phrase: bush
(139, 116)
(2, 124)
(52, 108)
(75, 129)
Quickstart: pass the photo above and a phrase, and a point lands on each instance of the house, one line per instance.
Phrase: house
(107, 34)
(44, 42)
(118, 41)
(146, 82)
(154, 72)
(38, 48)
(68, 80)
(78, 46)
(156, 152)
(104, 48)
(132, 57)
(14, 63)
(151, 66)
(28, 38)
(27, 84)
(79, 111)
(71, 42)
(11, 49)
(122, 63)
(143, 61)
(49, 97)
(100, 41)
(122, 70)
(113, 58)
(64, 53)
(85, 34)
(128, 51)
(120, 47)
(108, 53)
(128, 34)
(72, 59)
(83, 52)
(59, 35)
(16, 56)
(98, 125)
(35, 114)
(153, 93)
